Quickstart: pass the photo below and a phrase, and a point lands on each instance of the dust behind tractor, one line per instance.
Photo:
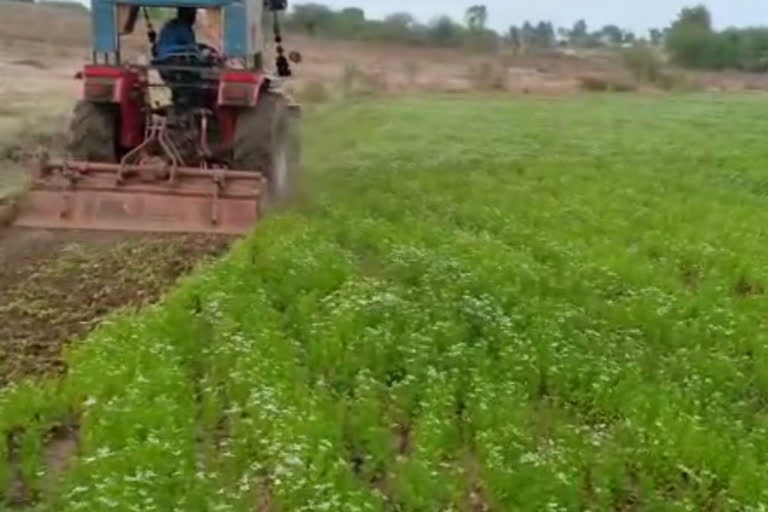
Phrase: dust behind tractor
(205, 161)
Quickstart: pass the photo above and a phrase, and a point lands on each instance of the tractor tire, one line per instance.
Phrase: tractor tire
(93, 133)
(266, 138)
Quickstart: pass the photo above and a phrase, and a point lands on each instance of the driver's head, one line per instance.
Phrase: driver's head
(187, 15)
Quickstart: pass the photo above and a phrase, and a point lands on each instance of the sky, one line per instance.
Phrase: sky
(635, 15)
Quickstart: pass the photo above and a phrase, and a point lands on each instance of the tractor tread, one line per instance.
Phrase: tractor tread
(260, 134)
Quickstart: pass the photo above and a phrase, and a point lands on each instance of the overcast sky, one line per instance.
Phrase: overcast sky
(638, 15)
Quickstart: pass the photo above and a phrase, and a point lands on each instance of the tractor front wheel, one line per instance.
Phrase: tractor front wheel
(92, 132)
(266, 138)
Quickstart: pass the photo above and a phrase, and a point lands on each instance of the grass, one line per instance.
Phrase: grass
(488, 304)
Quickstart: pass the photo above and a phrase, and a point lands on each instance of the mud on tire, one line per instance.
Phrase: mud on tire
(266, 138)
(92, 132)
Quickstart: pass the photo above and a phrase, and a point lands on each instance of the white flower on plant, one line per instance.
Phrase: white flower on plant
(103, 452)
(80, 489)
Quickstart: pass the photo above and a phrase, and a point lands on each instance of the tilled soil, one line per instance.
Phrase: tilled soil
(56, 286)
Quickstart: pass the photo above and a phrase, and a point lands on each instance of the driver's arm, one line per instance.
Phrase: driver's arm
(210, 23)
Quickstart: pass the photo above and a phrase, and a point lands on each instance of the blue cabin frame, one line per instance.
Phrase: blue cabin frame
(237, 17)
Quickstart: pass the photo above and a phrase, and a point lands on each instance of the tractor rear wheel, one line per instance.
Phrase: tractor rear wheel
(266, 138)
(92, 132)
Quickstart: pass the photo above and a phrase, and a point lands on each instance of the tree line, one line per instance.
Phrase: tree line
(473, 31)
(544, 35)
(690, 40)
(351, 23)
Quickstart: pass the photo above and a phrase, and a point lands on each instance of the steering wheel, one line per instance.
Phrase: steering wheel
(210, 55)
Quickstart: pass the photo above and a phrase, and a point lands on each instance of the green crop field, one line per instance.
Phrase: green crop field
(483, 304)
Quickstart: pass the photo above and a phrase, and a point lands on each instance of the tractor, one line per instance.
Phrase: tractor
(206, 159)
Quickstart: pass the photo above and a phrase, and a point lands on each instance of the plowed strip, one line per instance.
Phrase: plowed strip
(55, 286)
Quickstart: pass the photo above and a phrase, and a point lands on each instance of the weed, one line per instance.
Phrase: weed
(32, 63)
(488, 76)
(357, 82)
(315, 92)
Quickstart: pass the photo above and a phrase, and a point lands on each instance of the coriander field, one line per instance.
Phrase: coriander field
(481, 305)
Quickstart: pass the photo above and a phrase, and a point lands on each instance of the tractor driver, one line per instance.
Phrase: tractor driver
(177, 47)
(178, 36)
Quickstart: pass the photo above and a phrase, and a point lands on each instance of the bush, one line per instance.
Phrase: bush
(643, 63)
(488, 76)
(645, 66)
(357, 82)
(595, 83)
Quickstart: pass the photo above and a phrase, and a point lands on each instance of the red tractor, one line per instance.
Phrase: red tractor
(204, 161)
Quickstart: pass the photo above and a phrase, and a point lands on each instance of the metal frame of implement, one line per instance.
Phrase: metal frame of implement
(125, 197)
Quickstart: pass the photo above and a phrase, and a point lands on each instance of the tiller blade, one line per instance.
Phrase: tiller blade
(145, 198)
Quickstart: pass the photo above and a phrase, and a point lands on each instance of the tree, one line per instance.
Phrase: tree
(349, 22)
(476, 17)
(528, 35)
(698, 17)
(611, 34)
(444, 31)
(400, 19)
(515, 38)
(354, 14)
(399, 26)
(312, 17)
(628, 37)
(541, 35)
(544, 34)
(691, 41)
(579, 33)
(656, 36)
